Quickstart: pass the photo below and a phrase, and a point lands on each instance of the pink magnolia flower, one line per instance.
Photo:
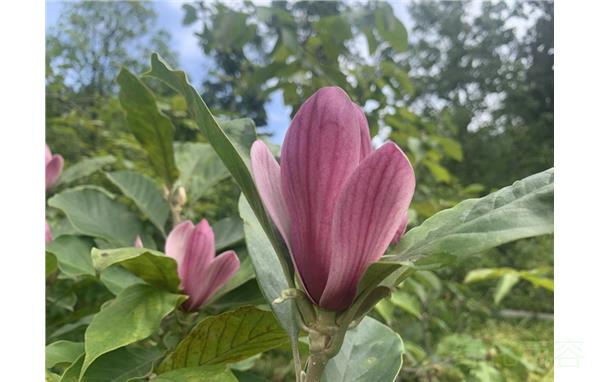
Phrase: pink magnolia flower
(54, 165)
(48, 233)
(138, 242)
(201, 272)
(337, 202)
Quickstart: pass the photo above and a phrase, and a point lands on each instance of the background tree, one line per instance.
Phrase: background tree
(84, 51)
(472, 68)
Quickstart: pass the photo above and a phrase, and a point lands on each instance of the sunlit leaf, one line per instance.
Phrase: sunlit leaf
(133, 315)
(525, 209)
(94, 214)
(61, 352)
(151, 266)
(150, 127)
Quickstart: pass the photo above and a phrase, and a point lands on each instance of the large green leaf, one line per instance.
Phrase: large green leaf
(84, 168)
(93, 213)
(117, 278)
(200, 168)
(225, 338)
(61, 352)
(151, 266)
(121, 365)
(228, 232)
(133, 315)
(522, 210)
(73, 255)
(213, 373)
(145, 193)
(371, 352)
(270, 273)
(150, 127)
(231, 142)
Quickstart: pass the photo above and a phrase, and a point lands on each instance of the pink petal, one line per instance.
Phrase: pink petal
(321, 149)
(267, 176)
(53, 169)
(369, 212)
(366, 147)
(220, 270)
(177, 241)
(398, 235)
(138, 242)
(200, 252)
(48, 233)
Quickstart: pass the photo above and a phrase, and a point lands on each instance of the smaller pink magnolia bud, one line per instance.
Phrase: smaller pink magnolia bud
(48, 233)
(201, 272)
(138, 242)
(180, 196)
(54, 166)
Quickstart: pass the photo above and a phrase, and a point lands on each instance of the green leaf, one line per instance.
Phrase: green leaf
(73, 255)
(525, 209)
(406, 302)
(231, 142)
(461, 346)
(390, 28)
(84, 168)
(145, 193)
(133, 315)
(215, 373)
(150, 127)
(270, 274)
(506, 283)
(61, 352)
(151, 266)
(121, 365)
(246, 376)
(117, 278)
(51, 264)
(245, 294)
(200, 168)
(451, 147)
(93, 213)
(439, 172)
(538, 281)
(385, 308)
(225, 338)
(482, 274)
(371, 352)
(71, 373)
(228, 232)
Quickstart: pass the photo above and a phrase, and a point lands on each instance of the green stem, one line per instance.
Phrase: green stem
(316, 367)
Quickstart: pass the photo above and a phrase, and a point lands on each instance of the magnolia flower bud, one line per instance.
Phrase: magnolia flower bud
(54, 166)
(201, 272)
(336, 201)
(180, 196)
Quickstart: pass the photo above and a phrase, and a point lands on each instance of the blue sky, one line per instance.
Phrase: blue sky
(196, 64)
